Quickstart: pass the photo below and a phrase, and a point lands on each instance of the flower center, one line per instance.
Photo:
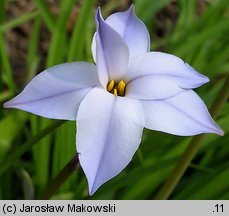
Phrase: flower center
(118, 89)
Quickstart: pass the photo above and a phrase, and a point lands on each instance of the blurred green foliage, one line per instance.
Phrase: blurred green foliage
(31, 156)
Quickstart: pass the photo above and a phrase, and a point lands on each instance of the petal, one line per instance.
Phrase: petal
(112, 53)
(109, 131)
(184, 114)
(131, 29)
(152, 88)
(57, 92)
(165, 65)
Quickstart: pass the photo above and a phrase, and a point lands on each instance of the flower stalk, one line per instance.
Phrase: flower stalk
(192, 149)
(63, 175)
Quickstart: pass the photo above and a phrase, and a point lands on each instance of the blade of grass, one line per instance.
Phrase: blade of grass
(2, 10)
(14, 156)
(9, 130)
(55, 54)
(64, 142)
(80, 29)
(18, 21)
(32, 56)
(45, 12)
(7, 72)
(184, 30)
(148, 9)
(206, 192)
(43, 150)
(5, 95)
(193, 43)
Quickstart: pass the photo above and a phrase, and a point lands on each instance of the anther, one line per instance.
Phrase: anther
(117, 88)
(115, 92)
(110, 86)
(121, 88)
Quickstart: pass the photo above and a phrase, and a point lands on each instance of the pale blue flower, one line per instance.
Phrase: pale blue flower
(128, 89)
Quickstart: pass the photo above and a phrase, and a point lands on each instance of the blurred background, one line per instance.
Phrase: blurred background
(36, 34)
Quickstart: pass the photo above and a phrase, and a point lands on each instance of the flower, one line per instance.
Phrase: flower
(128, 89)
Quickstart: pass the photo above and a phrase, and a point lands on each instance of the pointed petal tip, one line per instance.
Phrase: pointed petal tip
(8, 104)
(217, 130)
(5, 105)
(205, 79)
(131, 8)
(98, 14)
(91, 191)
(130, 11)
(202, 80)
(98, 18)
(220, 132)
(98, 10)
(92, 187)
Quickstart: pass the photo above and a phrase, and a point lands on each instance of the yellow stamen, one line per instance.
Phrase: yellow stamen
(115, 92)
(121, 88)
(110, 86)
(117, 88)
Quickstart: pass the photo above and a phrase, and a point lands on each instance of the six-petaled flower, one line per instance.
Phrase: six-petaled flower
(128, 89)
